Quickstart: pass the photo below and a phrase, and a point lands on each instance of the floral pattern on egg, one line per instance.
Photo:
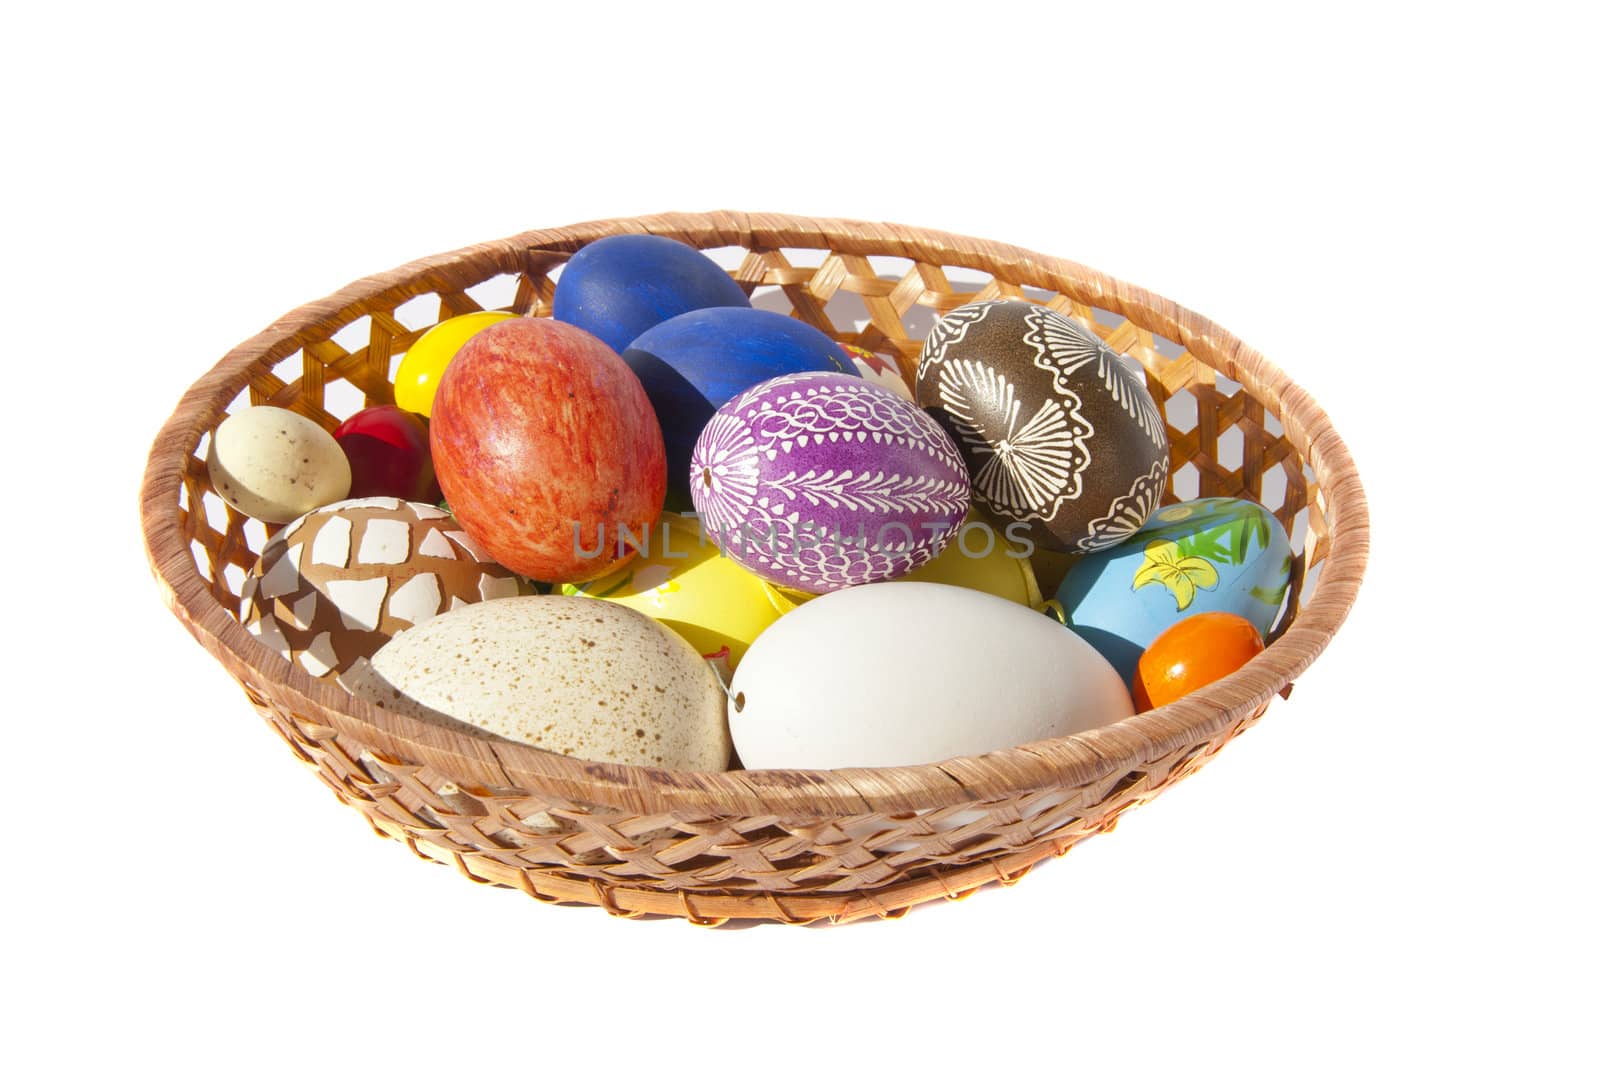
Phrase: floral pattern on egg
(819, 481)
(1207, 555)
(333, 587)
(1057, 430)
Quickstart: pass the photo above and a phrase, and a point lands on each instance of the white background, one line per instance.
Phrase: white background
(1394, 204)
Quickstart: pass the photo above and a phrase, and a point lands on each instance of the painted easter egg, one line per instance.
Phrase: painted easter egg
(785, 599)
(680, 579)
(878, 368)
(274, 465)
(387, 448)
(621, 286)
(982, 558)
(820, 480)
(693, 364)
(416, 381)
(335, 585)
(546, 448)
(978, 557)
(1197, 651)
(580, 677)
(1211, 554)
(1056, 429)
(995, 675)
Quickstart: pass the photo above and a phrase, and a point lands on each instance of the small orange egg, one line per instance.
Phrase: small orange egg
(1191, 654)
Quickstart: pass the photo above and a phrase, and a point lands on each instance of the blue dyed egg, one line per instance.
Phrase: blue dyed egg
(619, 287)
(1209, 554)
(694, 364)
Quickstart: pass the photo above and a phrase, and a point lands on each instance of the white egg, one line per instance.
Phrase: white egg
(950, 672)
(580, 677)
(275, 465)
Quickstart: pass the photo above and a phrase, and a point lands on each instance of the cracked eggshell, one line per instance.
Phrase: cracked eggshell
(580, 677)
(275, 465)
(949, 672)
(335, 585)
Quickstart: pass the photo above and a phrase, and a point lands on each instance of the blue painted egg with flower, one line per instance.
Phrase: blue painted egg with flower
(1224, 554)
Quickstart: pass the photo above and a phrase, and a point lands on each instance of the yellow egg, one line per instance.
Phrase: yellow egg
(683, 581)
(418, 376)
(980, 557)
(976, 559)
(785, 599)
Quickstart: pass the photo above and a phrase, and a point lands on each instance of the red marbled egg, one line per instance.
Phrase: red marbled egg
(546, 448)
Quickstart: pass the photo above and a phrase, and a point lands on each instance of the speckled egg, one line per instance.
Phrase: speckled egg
(579, 677)
(334, 586)
(1056, 429)
(946, 672)
(274, 465)
(818, 481)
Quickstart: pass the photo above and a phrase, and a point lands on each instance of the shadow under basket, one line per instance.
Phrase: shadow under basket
(793, 845)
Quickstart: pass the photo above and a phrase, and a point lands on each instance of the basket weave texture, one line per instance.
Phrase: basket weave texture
(794, 845)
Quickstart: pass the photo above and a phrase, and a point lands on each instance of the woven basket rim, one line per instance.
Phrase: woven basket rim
(1063, 762)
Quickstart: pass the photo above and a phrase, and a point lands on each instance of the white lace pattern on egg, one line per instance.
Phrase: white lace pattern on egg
(1061, 347)
(751, 515)
(1129, 512)
(1037, 464)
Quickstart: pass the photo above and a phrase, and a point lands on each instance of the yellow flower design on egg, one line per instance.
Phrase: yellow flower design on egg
(1164, 565)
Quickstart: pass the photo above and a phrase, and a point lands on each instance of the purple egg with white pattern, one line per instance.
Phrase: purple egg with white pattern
(819, 481)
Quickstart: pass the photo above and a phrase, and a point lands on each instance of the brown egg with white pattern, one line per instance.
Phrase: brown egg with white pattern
(1059, 432)
(335, 585)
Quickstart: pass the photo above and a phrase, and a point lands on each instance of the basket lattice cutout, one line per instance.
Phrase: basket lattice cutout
(791, 845)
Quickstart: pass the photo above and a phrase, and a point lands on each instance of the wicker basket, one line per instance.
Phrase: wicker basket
(795, 845)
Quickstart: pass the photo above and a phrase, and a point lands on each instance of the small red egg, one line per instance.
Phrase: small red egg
(1196, 651)
(389, 456)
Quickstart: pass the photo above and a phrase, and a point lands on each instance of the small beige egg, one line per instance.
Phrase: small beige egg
(581, 677)
(275, 465)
